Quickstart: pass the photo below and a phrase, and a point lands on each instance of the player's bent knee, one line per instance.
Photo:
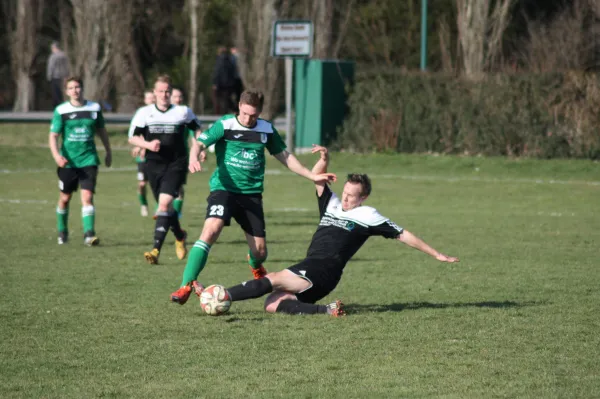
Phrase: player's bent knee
(260, 253)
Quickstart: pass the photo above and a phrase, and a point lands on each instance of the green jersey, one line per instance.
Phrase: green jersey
(240, 153)
(77, 127)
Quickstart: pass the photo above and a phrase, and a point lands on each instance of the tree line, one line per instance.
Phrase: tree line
(118, 47)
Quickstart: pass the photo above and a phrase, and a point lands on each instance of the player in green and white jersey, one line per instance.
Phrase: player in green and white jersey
(140, 158)
(177, 99)
(76, 122)
(236, 186)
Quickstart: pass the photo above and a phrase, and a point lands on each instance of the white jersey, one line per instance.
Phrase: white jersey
(169, 127)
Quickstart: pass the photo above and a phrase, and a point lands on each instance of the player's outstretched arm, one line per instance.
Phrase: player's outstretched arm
(320, 166)
(292, 163)
(413, 241)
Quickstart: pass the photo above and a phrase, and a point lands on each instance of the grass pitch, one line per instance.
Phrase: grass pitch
(517, 317)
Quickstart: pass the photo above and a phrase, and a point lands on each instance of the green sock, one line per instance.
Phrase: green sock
(196, 261)
(143, 199)
(62, 219)
(253, 262)
(88, 216)
(178, 205)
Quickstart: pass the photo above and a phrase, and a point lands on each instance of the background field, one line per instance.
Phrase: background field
(517, 317)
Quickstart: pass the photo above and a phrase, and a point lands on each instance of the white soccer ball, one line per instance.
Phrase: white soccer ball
(215, 300)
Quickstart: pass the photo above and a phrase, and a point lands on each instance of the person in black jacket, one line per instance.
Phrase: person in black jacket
(224, 82)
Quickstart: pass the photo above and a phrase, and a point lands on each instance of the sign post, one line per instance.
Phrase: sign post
(291, 39)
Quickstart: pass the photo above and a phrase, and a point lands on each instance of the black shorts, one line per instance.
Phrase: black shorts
(323, 279)
(246, 209)
(141, 174)
(165, 178)
(70, 178)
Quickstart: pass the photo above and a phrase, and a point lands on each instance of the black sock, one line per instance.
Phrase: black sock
(292, 306)
(250, 289)
(175, 226)
(163, 223)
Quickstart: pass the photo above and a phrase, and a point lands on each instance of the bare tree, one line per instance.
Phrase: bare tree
(92, 46)
(196, 11)
(480, 33)
(254, 21)
(25, 50)
(128, 79)
(566, 42)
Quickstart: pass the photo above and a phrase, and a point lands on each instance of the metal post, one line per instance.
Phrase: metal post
(423, 35)
(289, 137)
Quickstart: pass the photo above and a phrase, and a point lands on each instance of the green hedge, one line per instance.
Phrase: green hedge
(552, 115)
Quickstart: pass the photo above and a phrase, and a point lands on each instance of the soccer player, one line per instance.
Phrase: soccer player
(77, 121)
(345, 225)
(140, 157)
(177, 99)
(160, 128)
(236, 186)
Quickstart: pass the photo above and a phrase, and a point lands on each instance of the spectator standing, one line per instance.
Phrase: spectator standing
(56, 72)
(223, 82)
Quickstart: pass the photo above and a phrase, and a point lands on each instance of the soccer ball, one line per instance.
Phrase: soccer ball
(215, 300)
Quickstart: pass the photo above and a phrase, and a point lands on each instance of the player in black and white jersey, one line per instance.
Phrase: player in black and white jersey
(345, 225)
(161, 128)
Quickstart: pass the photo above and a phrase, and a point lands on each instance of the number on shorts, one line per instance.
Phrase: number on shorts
(216, 210)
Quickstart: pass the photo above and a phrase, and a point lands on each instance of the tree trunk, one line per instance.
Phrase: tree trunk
(260, 70)
(24, 51)
(92, 46)
(196, 16)
(128, 79)
(480, 33)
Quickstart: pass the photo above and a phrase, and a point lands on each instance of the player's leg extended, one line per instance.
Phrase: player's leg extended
(62, 217)
(251, 218)
(141, 190)
(88, 218)
(87, 181)
(178, 202)
(197, 258)
(162, 226)
(257, 254)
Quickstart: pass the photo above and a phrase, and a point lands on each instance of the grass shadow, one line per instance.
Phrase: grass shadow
(398, 307)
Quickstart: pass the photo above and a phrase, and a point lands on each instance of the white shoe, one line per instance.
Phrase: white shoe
(144, 211)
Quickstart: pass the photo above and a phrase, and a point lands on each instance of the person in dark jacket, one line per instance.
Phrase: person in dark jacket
(224, 81)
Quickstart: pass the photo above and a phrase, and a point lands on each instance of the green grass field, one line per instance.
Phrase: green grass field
(519, 316)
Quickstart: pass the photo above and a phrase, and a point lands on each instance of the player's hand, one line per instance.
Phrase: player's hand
(108, 159)
(135, 151)
(154, 146)
(195, 166)
(61, 161)
(325, 178)
(321, 149)
(445, 258)
(202, 156)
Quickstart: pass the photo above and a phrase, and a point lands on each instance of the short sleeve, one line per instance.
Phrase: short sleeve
(275, 144)
(191, 121)
(387, 229)
(212, 135)
(137, 123)
(56, 126)
(100, 120)
(324, 199)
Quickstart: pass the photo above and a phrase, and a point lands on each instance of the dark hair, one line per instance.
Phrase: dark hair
(364, 181)
(74, 79)
(254, 98)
